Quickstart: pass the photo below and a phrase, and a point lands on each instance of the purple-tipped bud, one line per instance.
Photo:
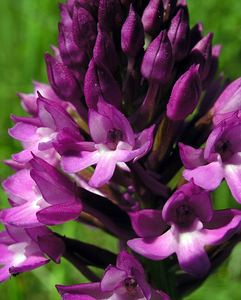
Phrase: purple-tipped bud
(104, 51)
(196, 34)
(99, 83)
(185, 95)
(71, 54)
(109, 15)
(132, 34)
(84, 28)
(158, 60)
(178, 34)
(152, 16)
(201, 54)
(62, 80)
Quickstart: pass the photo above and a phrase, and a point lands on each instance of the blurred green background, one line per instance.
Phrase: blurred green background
(27, 29)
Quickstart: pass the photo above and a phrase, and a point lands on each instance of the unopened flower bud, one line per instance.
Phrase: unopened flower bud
(71, 54)
(185, 95)
(99, 83)
(104, 51)
(152, 16)
(158, 60)
(132, 34)
(90, 5)
(84, 28)
(62, 80)
(201, 54)
(109, 15)
(178, 34)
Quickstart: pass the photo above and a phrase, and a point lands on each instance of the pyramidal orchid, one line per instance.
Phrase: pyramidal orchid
(134, 98)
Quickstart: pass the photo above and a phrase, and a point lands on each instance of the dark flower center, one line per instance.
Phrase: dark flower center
(224, 149)
(130, 284)
(184, 215)
(113, 137)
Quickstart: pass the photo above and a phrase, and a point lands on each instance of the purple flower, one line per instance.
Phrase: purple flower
(38, 133)
(114, 143)
(125, 281)
(20, 251)
(39, 196)
(193, 225)
(219, 159)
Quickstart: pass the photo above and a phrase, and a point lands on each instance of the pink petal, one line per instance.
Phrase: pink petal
(112, 279)
(148, 222)
(191, 157)
(23, 215)
(79, 161)
(104, 169)
(154, 248)
(21, 187)
(208, 177)
(24, 132)
(99, 126)
(59, 213)
(233, 178)
(191, 254)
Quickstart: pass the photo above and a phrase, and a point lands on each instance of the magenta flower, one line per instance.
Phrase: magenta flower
(38, 133)
(219, 159)
(114, 144)
(193, 225)
(125, 281)
(21, 252)
(39, 196)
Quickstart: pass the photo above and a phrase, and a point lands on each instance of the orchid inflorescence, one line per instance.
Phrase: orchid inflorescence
(134, 97)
